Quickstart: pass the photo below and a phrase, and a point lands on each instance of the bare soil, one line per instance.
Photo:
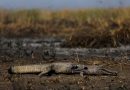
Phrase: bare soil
(65, 82)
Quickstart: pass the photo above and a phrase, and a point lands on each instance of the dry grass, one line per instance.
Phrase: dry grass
(82, 28)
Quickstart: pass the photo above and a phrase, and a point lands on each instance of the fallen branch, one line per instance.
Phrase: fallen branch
(62, 68)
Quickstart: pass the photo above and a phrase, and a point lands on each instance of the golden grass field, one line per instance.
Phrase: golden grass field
(82, 28)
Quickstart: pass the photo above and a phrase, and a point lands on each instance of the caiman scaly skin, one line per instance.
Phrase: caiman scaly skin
(62, 68)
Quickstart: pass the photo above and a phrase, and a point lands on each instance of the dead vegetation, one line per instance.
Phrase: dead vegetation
(82, 28)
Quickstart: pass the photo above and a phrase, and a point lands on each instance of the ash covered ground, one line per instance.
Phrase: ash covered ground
(15, 55)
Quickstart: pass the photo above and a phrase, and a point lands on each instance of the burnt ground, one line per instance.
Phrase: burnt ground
(65, 82)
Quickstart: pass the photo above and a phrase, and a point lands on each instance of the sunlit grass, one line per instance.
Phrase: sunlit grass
(87, 28)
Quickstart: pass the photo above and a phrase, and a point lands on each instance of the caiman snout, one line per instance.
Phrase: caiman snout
(92, 70)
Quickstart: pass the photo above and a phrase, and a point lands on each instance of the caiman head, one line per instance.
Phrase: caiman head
(91, 70)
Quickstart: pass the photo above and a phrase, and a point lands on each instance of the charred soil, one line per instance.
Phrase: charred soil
(65, 82)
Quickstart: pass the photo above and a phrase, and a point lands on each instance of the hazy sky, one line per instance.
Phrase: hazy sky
(59, 4)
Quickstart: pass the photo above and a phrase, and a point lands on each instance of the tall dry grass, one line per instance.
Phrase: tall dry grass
(82, 28)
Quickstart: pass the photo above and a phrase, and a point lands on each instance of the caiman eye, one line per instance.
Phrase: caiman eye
(74, 67)
(86, 68)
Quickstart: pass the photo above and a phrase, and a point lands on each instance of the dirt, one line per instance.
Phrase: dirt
(66, 82)
(17, 56)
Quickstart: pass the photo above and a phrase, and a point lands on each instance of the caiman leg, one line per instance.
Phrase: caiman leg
(46, 71)
(43, 72)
